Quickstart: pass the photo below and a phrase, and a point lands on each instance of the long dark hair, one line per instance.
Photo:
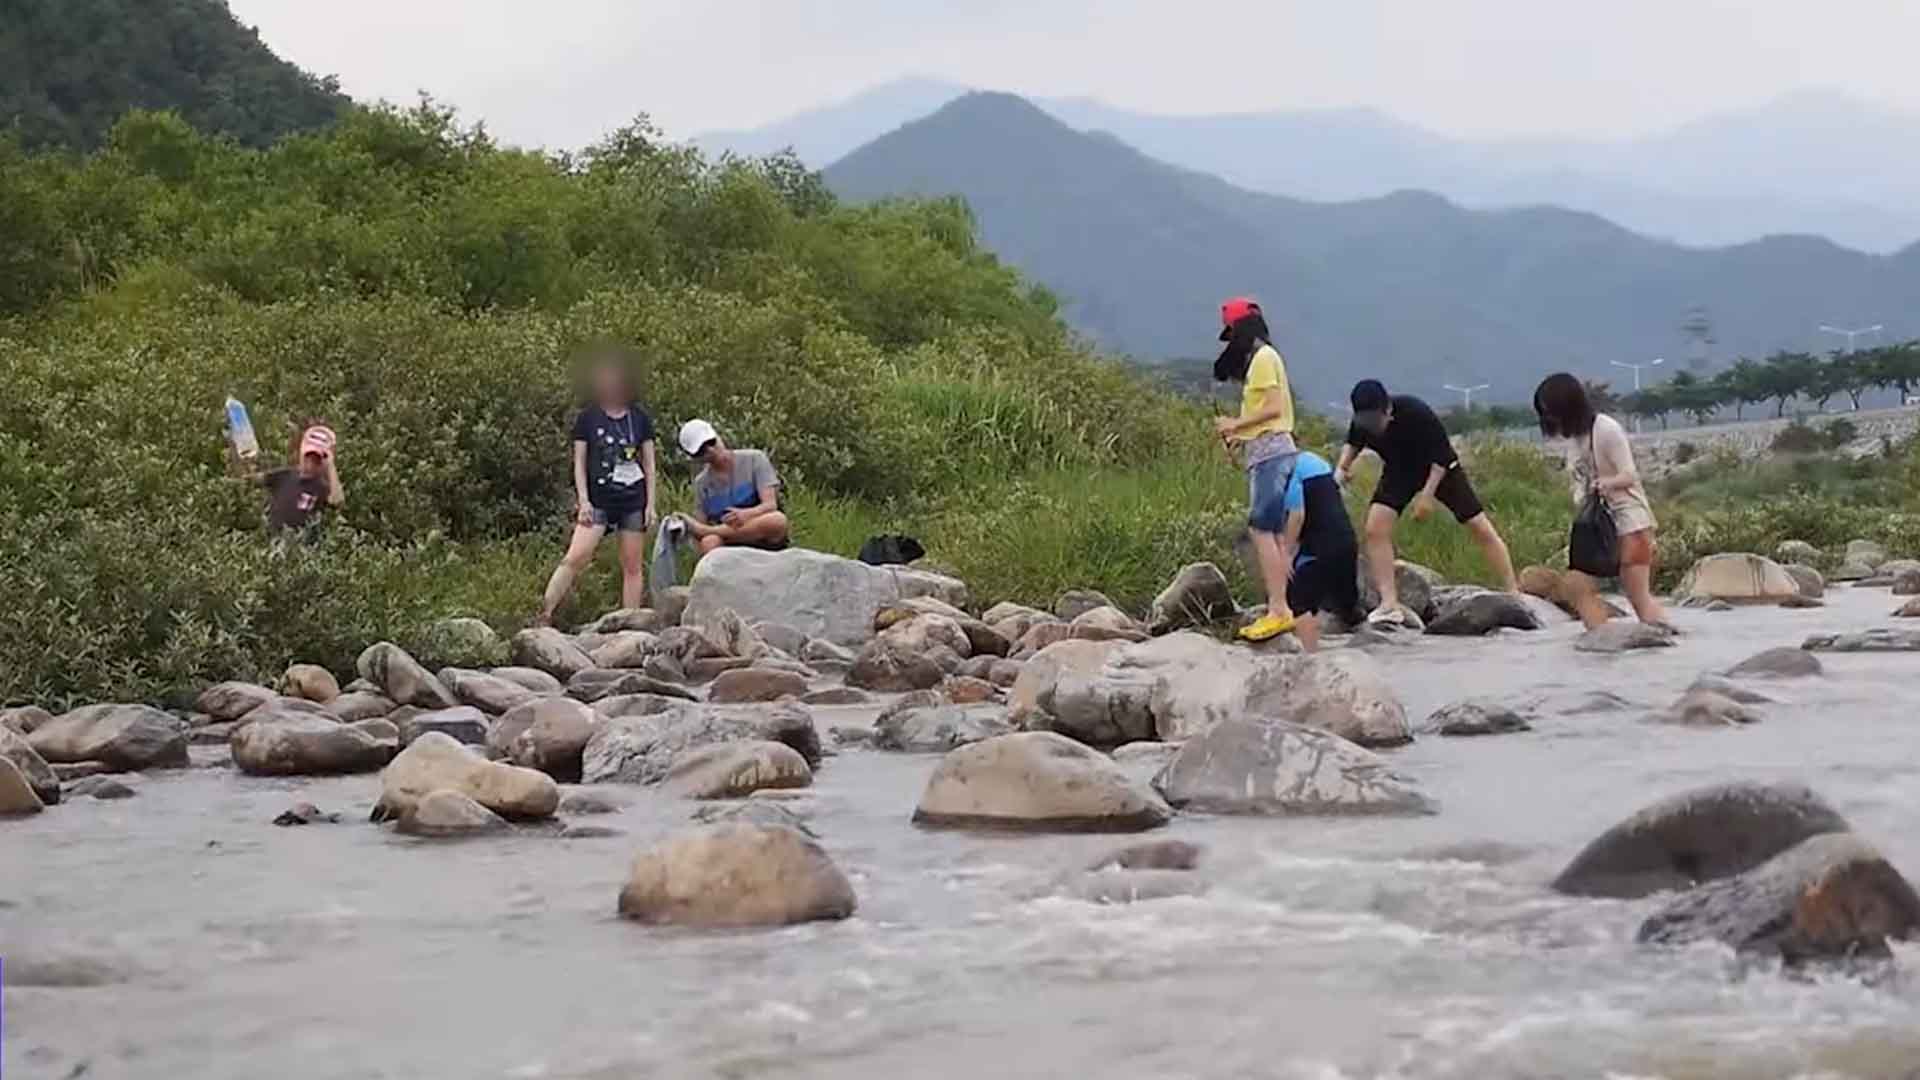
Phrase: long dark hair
(1245, 336)
(1563, 407)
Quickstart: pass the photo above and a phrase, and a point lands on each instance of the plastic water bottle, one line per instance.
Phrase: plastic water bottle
(240, 430)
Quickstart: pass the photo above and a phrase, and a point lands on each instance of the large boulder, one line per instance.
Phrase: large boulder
(282, 742)
(735, 875)
(17, 796)
(747, 685)
(490, 694)
(822, 596)
(1038, 674)
(1414, 583)
(33, 768)
(462, 642)
(1483, 612)
(1040, 781)
(1345, 693)
(916, 725)
(1250, 766)
(1783, 663)
(311, 682)
(226, 702)
(445, 813)
(1876, 640)
(1700, 835)
(548, 734)
(889, 666)
(1739, 578)
(545, 649)
(402, 678)
(1828, 898)
(435, 762)
(1197, 595)
(733, 770)
(641, 749)
(122, 737)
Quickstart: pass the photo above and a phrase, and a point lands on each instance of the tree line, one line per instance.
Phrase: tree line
(1779, 380)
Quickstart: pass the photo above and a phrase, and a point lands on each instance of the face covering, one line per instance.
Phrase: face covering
(1244, 337)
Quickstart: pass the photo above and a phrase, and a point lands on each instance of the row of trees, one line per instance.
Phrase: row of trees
(1779, 380)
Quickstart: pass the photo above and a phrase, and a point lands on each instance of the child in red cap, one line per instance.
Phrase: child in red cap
(297, 493)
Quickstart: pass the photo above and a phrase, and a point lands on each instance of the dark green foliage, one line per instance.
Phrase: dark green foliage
(70, 68)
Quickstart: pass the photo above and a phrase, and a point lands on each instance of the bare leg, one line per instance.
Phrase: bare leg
(768, 528)
(1636, 575)
(1380, 522)
(1274, 571)
(1307, 629)
(586, 539)
(1586, 600)
(1495, 550)
(711, 542)
(633, 569)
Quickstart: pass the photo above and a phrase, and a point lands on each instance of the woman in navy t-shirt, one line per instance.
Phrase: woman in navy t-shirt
(613, 483)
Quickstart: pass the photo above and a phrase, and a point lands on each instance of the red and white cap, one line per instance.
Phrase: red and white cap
(318, 439)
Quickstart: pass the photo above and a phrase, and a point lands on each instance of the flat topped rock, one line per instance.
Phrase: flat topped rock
(1039, 781)
(737, 874)
(1279, 768)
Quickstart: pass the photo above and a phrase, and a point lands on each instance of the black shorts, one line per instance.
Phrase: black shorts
(1327, 583)
(1455, 492)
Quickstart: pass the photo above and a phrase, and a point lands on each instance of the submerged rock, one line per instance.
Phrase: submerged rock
(736, 769)
(435, 762)
(1701, 835)
(1876, 640)
(100, 787)
(1783, 663)
(443, 814)
(1621, 635)
(1279, 768)
(1475, 717)
(1708, 708)
(736, 875)
(1038, 781)
(1116, 885)
(123, 737)
(1482, 613)
(641, 749)
(752, 812)
(1829, 898)
(1150, 855)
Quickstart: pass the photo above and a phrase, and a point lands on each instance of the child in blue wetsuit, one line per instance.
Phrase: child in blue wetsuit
(1319, 538)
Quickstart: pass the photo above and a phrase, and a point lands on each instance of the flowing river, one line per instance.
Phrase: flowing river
(177, 934)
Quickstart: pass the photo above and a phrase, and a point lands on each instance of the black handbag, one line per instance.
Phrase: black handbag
(1593, 547)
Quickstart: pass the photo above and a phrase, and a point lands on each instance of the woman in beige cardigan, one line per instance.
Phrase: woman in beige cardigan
(1600, 459)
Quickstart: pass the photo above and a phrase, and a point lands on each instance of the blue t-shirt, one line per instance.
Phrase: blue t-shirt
(614, 480)
(1312, 488)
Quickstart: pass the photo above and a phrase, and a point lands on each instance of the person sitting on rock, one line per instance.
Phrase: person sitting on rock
(1318, 536)
(1264, 433)
(1419, 467)
(736, 495)
(298, 494)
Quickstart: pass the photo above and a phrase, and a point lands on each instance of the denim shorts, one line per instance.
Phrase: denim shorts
(620, 520)
(1267, 493)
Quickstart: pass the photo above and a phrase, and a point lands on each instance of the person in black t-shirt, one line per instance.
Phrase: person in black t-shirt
(1421, 468)
(613, 483)
(299, 493)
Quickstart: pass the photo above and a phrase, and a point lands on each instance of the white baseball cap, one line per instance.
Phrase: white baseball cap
(695, 434)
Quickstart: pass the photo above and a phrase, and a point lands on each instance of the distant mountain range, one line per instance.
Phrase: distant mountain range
(1814, 163)
(1409, 286)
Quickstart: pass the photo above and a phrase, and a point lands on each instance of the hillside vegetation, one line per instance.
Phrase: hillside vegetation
(70, 68)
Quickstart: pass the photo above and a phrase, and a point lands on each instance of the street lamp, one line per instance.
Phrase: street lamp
(1468, 392)
(1850, 335)
(1635, 368)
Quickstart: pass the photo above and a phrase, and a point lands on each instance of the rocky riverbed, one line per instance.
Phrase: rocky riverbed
(178, 932)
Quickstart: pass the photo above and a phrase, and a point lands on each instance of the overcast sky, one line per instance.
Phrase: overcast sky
(561, 72)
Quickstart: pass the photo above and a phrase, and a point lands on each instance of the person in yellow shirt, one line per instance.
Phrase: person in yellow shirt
(1264, 434)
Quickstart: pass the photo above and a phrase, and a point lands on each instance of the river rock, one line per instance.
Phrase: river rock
(644, 620)
(1546, 584)
(984, 640)
(361, 705)
(1876, 640)
(1074, 603)
(922, 727)
(563, 728)
(1782, 663)
(488, 693)
(822, 653)
(33, 768)
(735, 875)
(1197, 595)
(401, 677)
(1708, 708)
(755, 684)
(596, 683)
(836, 695)
(822, 596)
(1017, 627)
(1867, 553)
(463, 642)
(1482, 613)
(1727, 688)
(278, 742)
(1038, 674)
(967, 690)
(1150, 855)
(1797, 551)
(1802, 602)
(930, 635)
(641, 749)
(635, 705)
(916, 583)
(446, 813)
(1907, 583)
(1851, 572)
(1828, 898)
(103, 788)
(1701, 835)
(435, 761)
(1621, 635)
(887, 666)
(23, 719)
(1115, 885)
(1737, 578)
(701, 671)
(1345, 693)
(1249, 766)
(1106, 624)
(1809, 581)
(545, 649)
(1475, 717)
(787, 639)
(310, 681)
(17, 797)
(124, 737)
(1908, 610)
(1040, 781)
(731, 632)
(1416, 585)
(229, 701)
(1104, 710)
(463, 723)
(532, 678)
(751, 812)
(733, 770)
(622, 649)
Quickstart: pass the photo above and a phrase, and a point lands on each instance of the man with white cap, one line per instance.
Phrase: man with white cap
(736, 495)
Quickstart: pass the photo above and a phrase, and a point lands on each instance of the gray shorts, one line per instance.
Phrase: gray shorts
(620, 520)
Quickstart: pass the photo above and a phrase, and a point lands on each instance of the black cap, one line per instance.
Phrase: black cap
(1369, 395)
